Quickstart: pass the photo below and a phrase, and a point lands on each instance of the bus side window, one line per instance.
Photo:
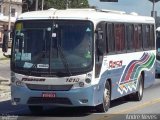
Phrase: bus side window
(136, 38)
(110, 38)
(100, 47)
(129, 37)
(140, 37)
(101, 39)
(152, 37)
(119, 37)
(146, 36)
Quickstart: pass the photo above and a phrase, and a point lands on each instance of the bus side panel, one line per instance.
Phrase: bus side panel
(114, 75)
(149, 77)
(125, 70)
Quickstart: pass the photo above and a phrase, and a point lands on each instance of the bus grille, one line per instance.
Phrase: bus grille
(49, 87)
(40, 100)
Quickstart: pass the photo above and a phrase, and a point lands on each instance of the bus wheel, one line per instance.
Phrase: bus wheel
(139, 94)
(35, 109)
(106, 99)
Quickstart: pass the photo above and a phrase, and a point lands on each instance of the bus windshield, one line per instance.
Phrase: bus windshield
(158, 45)
(53, 48)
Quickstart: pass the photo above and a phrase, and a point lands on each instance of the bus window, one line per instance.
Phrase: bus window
(158, 41)
(136, 39)
(146, 36)
(119, 37)
(152, 38)
(140, 35)
(110, 38)
(129, 36)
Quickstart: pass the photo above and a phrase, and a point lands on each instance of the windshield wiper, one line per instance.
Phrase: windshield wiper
(64, 60)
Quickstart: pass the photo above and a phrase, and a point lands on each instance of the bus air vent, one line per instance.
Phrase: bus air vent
(49, 87)
(40, 100)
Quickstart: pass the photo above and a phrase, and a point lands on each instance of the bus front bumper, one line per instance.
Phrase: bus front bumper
(89, 96)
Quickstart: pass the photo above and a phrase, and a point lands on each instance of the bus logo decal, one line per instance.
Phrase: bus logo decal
(72, 80)
(115, 64)
(129, 77)
(33, 79)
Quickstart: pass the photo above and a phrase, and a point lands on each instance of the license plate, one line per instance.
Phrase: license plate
(48, 95)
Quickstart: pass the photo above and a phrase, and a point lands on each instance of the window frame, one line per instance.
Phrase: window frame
(140, 35)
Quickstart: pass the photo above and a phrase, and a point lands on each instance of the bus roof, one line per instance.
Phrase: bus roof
(86, 14)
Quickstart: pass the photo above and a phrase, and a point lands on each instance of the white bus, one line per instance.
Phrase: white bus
(81, 57)
(158, 52)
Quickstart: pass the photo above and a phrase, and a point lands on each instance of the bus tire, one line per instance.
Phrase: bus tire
(106, 99)
(35, 109)
(139, 94)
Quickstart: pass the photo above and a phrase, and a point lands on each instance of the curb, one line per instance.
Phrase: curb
(3, 59)
(4, 96)
(5, 93)
(5, 87)
(1, 53)
(4, 81)
(4, 62)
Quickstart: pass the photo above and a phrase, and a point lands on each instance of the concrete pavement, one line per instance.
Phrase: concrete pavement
(4, 82)
(2, 57)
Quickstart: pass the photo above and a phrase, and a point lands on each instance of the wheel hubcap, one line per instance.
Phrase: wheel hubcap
(140, 89)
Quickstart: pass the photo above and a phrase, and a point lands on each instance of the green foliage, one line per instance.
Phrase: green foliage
(78, 4)
(57, 4)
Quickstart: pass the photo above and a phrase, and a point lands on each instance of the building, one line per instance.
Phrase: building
(15, 7)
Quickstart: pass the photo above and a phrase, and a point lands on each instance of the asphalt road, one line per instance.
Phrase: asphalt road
(121, 109)
(150, 104)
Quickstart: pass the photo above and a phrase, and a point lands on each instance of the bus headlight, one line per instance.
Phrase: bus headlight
(81, 84)
(89, 75)
(87, 80)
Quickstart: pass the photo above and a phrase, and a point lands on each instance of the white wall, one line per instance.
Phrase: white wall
(16, 4)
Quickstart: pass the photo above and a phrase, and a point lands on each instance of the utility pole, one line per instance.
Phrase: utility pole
(9, 19)
(36, 7)
(67, 2)
(42, 4)
(153, 13)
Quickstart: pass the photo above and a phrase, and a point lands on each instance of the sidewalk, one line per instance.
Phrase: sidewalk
(2, 57)
(5, 89)
(5, 93)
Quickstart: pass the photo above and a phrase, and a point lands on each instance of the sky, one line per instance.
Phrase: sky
(142, 7)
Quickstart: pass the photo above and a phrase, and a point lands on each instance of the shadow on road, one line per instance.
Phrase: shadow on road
(66, 112)
(76, 111)
(7, 109)
(118, 101)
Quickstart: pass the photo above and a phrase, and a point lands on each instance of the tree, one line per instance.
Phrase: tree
(57, 4)
(29, 5)
(78, 4)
